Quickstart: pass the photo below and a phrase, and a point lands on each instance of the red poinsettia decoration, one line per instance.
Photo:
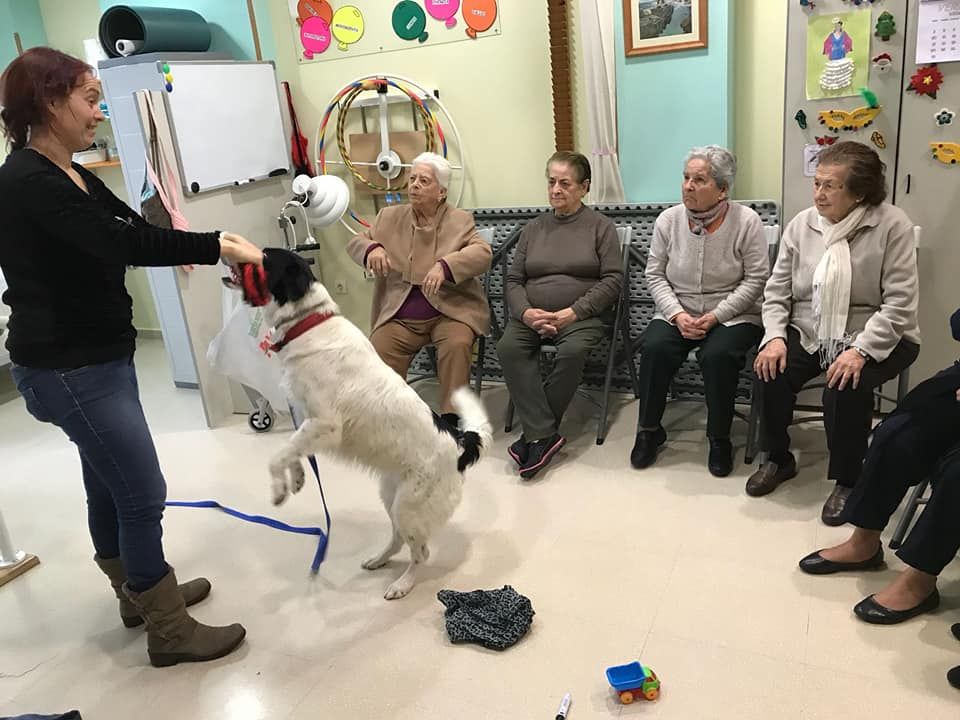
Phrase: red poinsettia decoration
(926, 81)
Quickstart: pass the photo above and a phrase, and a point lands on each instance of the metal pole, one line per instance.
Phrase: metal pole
(8, 555)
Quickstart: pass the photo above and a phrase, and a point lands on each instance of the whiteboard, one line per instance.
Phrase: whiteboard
(227, 123)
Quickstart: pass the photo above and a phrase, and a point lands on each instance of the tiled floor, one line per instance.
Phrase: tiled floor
(670, 565)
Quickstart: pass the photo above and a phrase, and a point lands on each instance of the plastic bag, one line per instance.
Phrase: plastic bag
(241, 351)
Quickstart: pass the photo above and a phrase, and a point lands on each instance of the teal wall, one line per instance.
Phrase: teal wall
(22, 16)
(670, 102)
(229, 24)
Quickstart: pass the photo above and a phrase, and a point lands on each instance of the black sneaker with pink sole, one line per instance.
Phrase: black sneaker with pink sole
(539, 455)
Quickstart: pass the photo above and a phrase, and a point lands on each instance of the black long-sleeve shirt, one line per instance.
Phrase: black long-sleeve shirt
(64, 254)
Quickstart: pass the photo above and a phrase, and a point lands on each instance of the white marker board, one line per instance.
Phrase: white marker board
(227, 123)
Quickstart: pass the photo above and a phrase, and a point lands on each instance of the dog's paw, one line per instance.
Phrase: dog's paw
(375, 563)
(296, 476)
(398, 589)
(278, 490)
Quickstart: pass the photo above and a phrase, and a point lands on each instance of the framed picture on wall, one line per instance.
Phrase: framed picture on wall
(658, 26)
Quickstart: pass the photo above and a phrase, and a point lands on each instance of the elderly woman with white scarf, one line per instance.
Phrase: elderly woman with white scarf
(842, 299)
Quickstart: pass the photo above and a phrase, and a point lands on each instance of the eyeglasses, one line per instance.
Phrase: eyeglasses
(827, 187)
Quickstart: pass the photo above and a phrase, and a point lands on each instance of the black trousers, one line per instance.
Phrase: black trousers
(848, 413)
(920, 440)
(722, 355)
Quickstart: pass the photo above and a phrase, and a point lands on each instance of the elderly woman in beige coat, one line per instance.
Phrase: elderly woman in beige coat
(427, 257)
(842, 299)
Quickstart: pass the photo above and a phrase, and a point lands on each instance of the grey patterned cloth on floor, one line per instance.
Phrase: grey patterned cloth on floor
(495, 619)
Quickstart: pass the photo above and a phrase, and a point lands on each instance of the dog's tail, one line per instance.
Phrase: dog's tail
(477, 431)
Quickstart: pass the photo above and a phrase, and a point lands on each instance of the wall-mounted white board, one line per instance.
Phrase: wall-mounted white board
(227, 122)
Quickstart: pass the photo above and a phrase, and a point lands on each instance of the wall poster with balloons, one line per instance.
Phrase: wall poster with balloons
(334, 29)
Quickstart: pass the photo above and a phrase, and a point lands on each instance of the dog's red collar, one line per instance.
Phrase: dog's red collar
(308, 323)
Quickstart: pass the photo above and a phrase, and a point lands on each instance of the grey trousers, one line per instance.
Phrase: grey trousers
(541, 405)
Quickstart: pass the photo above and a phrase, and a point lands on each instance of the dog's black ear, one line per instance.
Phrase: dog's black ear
(288, 275)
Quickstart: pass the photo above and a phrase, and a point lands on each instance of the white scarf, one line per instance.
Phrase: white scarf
(831, 286)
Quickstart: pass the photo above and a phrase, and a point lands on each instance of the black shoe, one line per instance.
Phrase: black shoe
(720, 460)
(955, 629)
(869, 610)
(953, 677)
(519, 451)
(769, 476)
(816, 564)
(540, 453)
(645, 448)
(833, 507)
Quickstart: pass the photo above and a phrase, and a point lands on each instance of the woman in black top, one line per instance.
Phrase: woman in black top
(65, 245)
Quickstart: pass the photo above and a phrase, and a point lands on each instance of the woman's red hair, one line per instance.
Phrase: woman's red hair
(30, 84)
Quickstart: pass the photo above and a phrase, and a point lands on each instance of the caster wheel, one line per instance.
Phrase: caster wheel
(260, 422)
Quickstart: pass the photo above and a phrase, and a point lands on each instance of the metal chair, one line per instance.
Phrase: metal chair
(916, 499)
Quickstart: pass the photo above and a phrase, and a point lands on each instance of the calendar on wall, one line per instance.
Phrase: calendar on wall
(938, 33)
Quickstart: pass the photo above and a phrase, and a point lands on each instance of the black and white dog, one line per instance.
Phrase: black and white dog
(358, 409)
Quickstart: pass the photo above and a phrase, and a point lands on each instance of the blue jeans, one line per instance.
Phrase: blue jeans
(98, 407)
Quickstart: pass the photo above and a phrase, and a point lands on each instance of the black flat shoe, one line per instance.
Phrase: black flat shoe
(953, 677)
(955, 629)
(816, 564)
(720, 460)
(645, 448)
(870, 611)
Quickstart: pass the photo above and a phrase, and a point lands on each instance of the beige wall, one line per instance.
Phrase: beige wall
(67, 24)
(761, 33)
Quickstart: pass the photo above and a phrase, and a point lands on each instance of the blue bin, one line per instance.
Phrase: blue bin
(626, 677)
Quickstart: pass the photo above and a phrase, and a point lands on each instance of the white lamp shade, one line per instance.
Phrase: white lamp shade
(327, 198)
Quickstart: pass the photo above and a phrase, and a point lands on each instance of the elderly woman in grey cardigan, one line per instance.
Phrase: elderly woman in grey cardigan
(842, 298)
(706, 270)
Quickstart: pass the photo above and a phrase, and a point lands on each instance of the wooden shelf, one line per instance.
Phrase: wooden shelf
(102, 164)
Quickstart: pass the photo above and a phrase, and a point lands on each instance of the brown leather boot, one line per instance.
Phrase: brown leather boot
(193, 591)
(172, 635)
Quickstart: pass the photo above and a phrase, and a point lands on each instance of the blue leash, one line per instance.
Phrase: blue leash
(322, 543)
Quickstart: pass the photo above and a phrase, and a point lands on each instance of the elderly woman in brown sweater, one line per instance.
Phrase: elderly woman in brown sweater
(426, 257)
(842, 299)
(565, 278)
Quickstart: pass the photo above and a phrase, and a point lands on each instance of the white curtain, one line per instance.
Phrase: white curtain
(599, 72)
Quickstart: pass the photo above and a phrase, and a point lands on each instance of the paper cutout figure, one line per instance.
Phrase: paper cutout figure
(886, 26)
(811, 158)
(410, 21)
(944, 117)
(347, 26)
(314, 36)
(444, 10)
(826, 139)
(479, 15)
(307, 9)
(926, 81)
(860, 118)
(807, 4)
(878, 140)
(946, 152)
(882, 62)
(801, 118)
(840, 69)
